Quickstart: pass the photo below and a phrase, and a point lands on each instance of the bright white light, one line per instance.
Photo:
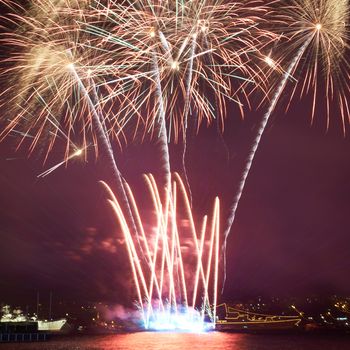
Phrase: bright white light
(318, 26)
(179, 321)
(175, 65)
(269, 61)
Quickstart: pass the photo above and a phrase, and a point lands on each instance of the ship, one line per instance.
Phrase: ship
(52, 326)
(236, 320)
(15, 327)
(16, 316)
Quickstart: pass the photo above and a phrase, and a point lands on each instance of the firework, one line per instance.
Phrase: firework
(177, 283)
(86, 71)
(318, 36)
(324, 71)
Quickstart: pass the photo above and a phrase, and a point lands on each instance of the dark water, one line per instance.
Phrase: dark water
(181, 341)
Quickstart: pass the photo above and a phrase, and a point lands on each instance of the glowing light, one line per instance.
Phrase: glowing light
(318, 26)
(183, 320)
(77, 153)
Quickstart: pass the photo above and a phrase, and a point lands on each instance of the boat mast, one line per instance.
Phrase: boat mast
(50, 306)
(37, 304)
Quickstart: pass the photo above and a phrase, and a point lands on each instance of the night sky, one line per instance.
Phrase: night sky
(290, 237)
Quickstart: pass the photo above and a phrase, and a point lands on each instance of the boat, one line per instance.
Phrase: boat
(233, 319)
(16, 316)
(53, 326)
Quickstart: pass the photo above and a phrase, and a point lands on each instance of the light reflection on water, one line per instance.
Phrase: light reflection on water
(186, 341)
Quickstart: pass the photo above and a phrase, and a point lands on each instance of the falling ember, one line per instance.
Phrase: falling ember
(176, 275)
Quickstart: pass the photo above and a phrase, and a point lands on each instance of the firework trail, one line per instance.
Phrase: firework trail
(47, 172)
(186, 112)
(42, 92)
(161, 53)
(184, 55)
(115, 44)
(162, 137)
(256, 143)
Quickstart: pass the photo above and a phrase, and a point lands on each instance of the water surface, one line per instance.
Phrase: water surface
(186, 341)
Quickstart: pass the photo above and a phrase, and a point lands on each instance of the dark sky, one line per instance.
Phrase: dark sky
(291, 235)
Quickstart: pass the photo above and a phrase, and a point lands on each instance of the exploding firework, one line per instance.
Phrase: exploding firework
(176, 283)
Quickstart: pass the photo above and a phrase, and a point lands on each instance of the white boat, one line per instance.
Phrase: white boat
(17, 316)
(52, 325)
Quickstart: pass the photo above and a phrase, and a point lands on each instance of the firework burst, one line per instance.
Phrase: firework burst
(322, 70)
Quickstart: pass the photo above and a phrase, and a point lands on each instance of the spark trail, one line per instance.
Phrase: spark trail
(187, 111)
(162, 136)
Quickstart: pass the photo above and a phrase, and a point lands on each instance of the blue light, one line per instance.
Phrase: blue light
(179, 320)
